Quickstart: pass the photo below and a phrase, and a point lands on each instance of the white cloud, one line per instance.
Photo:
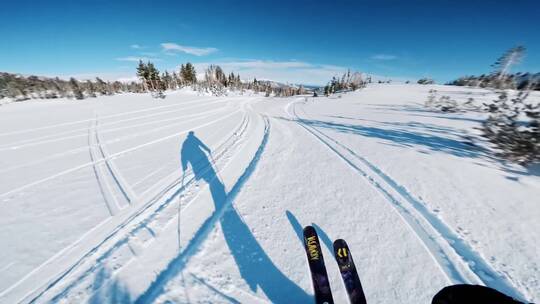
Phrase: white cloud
(296, 72)
(173, 47)
(135, 46)
(264, 64)
(384, 57)
(137, 58)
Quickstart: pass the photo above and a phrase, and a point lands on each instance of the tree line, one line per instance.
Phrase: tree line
(347, 82)
(19, 88)
(500, 77)
(214, 81)
(512, 127)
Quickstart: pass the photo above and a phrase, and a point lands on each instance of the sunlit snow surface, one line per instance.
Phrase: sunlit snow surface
(91, 192)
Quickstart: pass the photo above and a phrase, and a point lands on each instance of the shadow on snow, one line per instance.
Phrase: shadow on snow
(108, 291)
(405, 138)
(254, 265)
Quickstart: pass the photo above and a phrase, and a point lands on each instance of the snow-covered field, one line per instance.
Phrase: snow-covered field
(96, 207)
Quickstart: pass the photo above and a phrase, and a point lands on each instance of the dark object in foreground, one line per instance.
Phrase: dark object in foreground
(471, 294)
(321, 284)
(348, 272)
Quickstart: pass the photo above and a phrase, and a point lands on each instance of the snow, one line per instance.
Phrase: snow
(92, 192)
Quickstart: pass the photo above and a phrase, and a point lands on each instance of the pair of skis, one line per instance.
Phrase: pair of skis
(321, 284)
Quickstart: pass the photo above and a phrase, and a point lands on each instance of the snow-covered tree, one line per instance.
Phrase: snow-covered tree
(513, 127)
(425, 81)
(75, 88)
(188, 73)
(507, 60)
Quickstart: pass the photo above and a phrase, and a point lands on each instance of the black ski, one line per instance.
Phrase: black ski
(348, 272)
(321, 284)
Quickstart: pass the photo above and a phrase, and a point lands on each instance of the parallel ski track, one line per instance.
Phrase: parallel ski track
(193, 117)
(147, 199)
(114, 155)
(180, 261)
(104, 187)
(457, 260)
(56, 138)
(89, 120)
(134, 224)
(121, 183)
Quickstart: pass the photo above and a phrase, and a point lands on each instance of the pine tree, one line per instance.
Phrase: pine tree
(153, 77)
(90, 89)
(504, 63)
(175, 83)
(188, 73)
(102, 87)
(75, 88)
(516, 139)
(167, 80)
(143, 74)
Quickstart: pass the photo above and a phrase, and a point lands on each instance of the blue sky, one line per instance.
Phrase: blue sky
(295, 41)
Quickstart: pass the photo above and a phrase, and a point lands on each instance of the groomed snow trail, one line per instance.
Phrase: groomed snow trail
(107, 214)
(460, 263)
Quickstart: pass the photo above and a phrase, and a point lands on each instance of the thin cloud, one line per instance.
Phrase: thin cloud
(267, 64)
(384, 57)
(197, 51)
(137, 58)
(136, 46)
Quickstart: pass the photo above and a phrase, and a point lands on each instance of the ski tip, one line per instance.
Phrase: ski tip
(340, 243)
(341, 250)
(309, 230)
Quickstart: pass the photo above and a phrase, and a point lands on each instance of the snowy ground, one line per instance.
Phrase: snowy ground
(92, 192)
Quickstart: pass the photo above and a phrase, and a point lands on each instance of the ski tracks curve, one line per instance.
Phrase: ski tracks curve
(145, 230)
(111, 156)
(179, 263)
(457, 260)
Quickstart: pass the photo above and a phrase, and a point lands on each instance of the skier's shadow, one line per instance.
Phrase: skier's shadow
(256, 268)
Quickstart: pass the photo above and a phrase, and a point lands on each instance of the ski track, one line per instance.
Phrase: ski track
(104, 189)
(120, 181)
(459, 262)
(149, 175)
(214, 290)
(179, 262)
(224, 295)
(105, 124)
(112, 156)
(103, 117)
(146, 224)
(437, 237)
(143, 225)
(115, 140)
(32, 142)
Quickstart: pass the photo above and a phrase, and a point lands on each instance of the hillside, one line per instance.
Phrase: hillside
(97, 206)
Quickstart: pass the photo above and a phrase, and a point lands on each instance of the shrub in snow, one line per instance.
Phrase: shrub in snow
(425, 81)
(444, 103)
(348, 82)
(431, 98)
(513, 127)
(501, 78)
